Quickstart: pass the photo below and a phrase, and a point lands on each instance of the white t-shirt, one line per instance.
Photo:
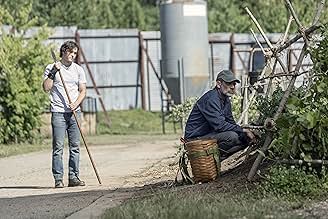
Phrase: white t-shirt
(73, 76)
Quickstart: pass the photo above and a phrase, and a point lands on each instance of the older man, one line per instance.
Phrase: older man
(211, 117)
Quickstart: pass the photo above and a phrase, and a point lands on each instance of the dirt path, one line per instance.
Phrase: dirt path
(26, 183)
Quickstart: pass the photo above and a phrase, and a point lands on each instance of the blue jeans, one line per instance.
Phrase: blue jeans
(229, 141)
(62, 122)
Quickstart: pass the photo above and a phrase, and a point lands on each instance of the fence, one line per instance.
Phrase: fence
(123, 65)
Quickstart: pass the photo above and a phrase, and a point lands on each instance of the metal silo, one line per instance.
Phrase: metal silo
(184, 42)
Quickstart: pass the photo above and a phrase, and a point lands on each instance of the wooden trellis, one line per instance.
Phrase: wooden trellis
(273, 55)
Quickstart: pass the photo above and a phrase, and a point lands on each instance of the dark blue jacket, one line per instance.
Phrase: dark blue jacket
(211, 113)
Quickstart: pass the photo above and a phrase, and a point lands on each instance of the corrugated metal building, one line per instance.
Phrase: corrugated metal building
(113, 56)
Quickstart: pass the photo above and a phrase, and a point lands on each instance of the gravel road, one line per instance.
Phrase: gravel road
(26, 183)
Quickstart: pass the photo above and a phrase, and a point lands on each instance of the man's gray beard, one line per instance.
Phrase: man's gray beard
(231, 93)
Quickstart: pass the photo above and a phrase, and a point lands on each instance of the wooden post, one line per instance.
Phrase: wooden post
(142, 71)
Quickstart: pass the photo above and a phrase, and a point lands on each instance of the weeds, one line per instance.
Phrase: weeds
(202, 204)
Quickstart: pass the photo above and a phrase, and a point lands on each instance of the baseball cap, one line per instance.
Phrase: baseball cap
(227, 76)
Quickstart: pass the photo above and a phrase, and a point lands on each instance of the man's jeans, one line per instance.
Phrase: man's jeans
(62, 122)
(229, 141)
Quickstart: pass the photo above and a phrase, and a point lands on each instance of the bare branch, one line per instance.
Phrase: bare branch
(283, 66)
(259, 157)
(282, 104)
(287, 29)
(318, 13)
(266, 39)
(243, 114)
(297, 37)
(282, 74)
(257, 41)
(291, 84)
(300, 26)
(292, 11)
(271, 79)
(259, 28)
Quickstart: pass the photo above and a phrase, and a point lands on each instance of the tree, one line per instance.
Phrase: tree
(223, 15)
(15, 13)
(151, 15)
(134, 15)
(226, 16)
(73, 13)
(22, 62)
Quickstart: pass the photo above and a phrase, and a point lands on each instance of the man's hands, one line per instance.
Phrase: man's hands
(54, 70)
(73, 106)
(49, 82)
(249, 134)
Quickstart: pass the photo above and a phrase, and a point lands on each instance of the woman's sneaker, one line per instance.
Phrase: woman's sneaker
(75, 182)
(59, 184)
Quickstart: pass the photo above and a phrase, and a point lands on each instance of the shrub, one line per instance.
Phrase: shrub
(303, 128)
(294, 183)
(22, 62)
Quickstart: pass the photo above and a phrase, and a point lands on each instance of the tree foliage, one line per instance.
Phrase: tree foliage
(22, 62)
(90, 14)
(230, 16)
(226, 16)
(223, 15)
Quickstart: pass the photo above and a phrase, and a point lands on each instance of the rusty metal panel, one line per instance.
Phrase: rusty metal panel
(116, 98)
(153, 90)
(113, 59)
(110, 44)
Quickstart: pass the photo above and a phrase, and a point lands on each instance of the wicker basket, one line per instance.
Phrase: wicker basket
(204, 159)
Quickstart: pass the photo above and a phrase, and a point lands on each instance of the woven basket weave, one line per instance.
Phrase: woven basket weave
(204, 159)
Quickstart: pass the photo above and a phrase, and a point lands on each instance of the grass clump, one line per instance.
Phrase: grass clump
(284, 194)
(7, 150)
(202, 204)
(134, 121)
(295, 183)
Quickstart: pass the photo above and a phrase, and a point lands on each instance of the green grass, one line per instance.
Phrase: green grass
(204, 204)
(128, 139)
(135, 121)
(16, 149)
